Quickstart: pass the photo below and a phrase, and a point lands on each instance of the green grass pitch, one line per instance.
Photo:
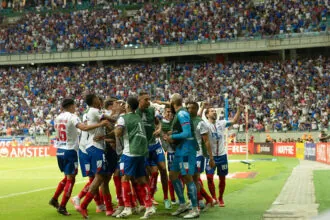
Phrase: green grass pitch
(27, 184)
(322, 192)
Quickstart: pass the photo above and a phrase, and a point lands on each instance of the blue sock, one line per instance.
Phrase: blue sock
(192, 192)
(179, 190)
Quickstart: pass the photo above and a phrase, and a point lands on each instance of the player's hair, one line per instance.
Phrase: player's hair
(195, 104)
(109, 102)
(176, 99)
(67, 102)
(142, 93)
(207, 112)
(101, 99)
(89, 99)
(133, 102)
(167, 106)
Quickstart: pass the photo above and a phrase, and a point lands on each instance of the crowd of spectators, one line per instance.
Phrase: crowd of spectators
(157, 25)
(283, 96)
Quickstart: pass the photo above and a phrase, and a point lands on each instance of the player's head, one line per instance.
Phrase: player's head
(110, 103)
(132, 104)
(168, 112)
(101, 102)
(144, 100)
(68, 105)
(192, 108)
(92, 101)
(176, 100)
(211, 114)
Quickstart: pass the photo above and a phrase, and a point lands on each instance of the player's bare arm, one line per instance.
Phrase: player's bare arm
(240, 108)
(206, 141)
(84, 127)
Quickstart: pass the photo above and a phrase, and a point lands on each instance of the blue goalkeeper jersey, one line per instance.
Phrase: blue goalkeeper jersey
(182, 134)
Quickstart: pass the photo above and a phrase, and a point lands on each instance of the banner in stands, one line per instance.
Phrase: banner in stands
(263, 148)
(31, 151)
(285, 149)
(18, 141)
(321, 152)
(300, 150)
(310, 151)
(238, 148)
(328, 153)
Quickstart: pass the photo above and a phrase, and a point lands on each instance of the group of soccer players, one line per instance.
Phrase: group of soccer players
(128, 141)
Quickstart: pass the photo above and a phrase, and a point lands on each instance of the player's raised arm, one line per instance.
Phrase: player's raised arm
(240, 108)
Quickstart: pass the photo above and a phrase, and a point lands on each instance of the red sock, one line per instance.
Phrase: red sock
(210, 183)
(137, 195)
(153, 183)
(203, 192)
(60, 188)
(165, 190)
(101, 196)
(144, 192)
(134, 198)
(88, 198)
(222, 186)
(67, 191)
(84, 190)
(127, 193)
(97, 199)
(170, 185)
(108, 202)
(117, 181)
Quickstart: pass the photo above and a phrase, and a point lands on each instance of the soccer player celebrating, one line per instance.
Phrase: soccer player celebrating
(202, 136)
(66, 125)
(166, 127)
(156, 159)
(85, 165)
(185, 157)
(217, 141)
(132, 162)
(95, 149)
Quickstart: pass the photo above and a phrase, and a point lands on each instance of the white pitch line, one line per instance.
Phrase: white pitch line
(30, 168)
(32, 191)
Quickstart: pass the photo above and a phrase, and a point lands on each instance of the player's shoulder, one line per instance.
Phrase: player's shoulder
(221, 123)
(183, 114)
(202, 123)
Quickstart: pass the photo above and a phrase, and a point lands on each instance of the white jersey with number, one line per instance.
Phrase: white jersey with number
(83, 138)
(66, 131)
(201, 129)
(217, 137)
(94, 116)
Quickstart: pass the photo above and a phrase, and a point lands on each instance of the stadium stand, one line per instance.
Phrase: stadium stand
(288, 95)
(153, 25)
